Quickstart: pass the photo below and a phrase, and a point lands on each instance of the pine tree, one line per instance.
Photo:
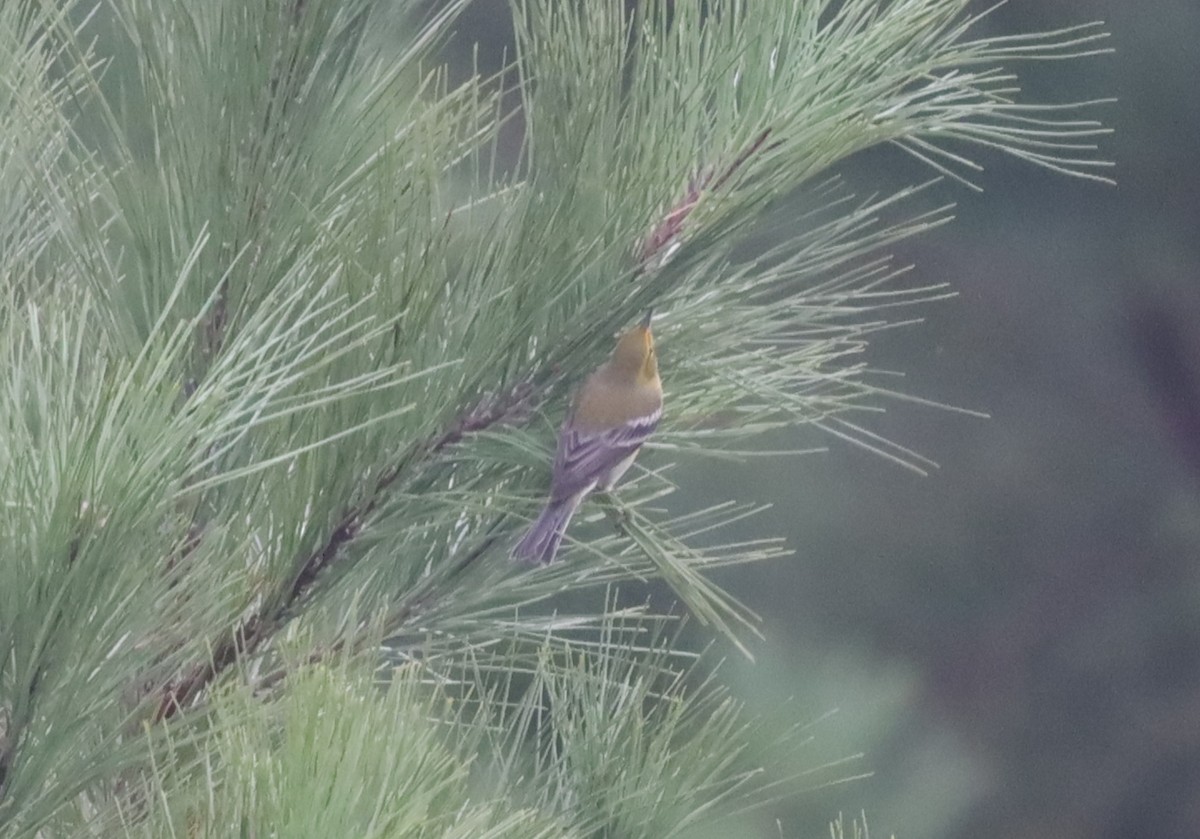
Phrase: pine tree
(285, 339)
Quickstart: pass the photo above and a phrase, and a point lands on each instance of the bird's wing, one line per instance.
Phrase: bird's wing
(583, 457)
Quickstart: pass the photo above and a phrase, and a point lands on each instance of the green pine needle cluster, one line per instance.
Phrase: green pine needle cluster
(285, 333)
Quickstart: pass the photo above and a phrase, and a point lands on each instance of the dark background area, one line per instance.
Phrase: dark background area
(1014, 641)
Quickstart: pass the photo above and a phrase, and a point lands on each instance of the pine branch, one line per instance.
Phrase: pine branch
(253, 633)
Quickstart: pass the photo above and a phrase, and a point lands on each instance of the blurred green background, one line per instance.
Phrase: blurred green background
(1014, 641)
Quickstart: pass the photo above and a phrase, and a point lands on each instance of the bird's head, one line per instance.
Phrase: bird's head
(634, 356)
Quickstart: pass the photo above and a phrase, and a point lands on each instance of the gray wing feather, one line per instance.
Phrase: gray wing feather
(583, 458)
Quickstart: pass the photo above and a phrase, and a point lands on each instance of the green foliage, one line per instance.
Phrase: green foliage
(618, 736)
(336, 755)
(273, 389)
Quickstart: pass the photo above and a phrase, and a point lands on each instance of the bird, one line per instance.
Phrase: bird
(614, 412)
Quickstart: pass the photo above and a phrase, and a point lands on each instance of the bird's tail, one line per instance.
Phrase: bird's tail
(539, 545)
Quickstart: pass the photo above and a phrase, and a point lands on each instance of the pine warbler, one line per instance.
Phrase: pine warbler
(617, 408)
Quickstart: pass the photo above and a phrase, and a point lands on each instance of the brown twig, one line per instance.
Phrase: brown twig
(669, 228)
(415, 605)
(250, 635)
(5, 751)
(491, 410)
(741, 159)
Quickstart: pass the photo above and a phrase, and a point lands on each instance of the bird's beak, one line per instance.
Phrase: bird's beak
(645, 324)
